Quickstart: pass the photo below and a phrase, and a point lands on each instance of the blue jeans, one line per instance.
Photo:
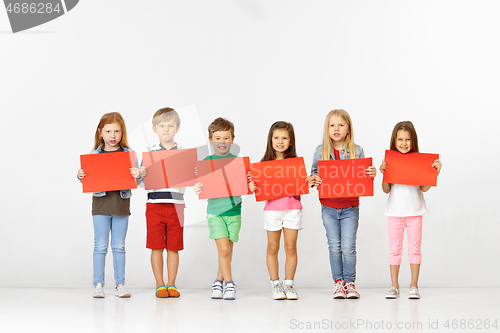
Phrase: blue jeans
(341, 228)
(118, 225)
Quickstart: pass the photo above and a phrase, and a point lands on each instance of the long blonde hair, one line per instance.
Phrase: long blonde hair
(349, 139)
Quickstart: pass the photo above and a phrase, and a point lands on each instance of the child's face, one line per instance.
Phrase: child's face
(337, 128)
(403, 141)
(221, 141)
(166, 131)
(281, 141)
(111, 135)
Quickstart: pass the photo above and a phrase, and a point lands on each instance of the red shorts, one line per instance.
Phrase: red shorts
(165, 226)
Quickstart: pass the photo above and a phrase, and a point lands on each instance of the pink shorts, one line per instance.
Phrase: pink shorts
(397, 225)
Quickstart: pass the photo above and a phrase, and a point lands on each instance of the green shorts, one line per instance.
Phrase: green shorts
(224, 226)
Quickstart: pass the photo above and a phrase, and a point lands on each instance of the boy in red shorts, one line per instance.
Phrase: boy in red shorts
(165, 211)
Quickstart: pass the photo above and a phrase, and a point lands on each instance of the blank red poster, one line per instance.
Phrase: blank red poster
(279, 178)
(345, 178)
(169, 168)
(223, 177)
(410, 168)
(108, 171)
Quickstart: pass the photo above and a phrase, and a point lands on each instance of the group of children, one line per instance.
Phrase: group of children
(165, 210)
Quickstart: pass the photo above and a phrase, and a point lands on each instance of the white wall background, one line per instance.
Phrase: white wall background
(432, 62)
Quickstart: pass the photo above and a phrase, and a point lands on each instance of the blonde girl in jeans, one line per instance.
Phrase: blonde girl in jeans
(340, 215)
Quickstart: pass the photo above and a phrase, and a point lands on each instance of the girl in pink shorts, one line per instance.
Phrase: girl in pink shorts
(405, 207)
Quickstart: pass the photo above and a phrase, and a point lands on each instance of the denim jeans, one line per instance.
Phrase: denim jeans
(118, 225)
(341, 228)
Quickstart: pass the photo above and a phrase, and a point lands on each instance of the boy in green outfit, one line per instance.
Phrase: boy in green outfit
(223, 214)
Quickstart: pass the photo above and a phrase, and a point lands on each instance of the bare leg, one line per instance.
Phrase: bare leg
(415, 270)
(157, 266)
(273, 247)
(290, 238)
(225, 251)
(172, 266)
(394, 275)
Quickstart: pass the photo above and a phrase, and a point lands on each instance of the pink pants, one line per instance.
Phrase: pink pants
(397, 226)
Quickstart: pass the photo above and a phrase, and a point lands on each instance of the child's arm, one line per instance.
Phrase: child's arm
(251, 185)
(197, 188)
(81, 174)
(143, 172)
(386, 187)
(313, 180)
(437, 164)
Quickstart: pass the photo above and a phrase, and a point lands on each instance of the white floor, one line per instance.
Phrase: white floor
(74, 310)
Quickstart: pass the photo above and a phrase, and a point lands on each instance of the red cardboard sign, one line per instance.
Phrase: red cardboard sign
(345, 178)
(225, 177)
(279, 178)
(108, 171)
(169, 168)
(410, 168)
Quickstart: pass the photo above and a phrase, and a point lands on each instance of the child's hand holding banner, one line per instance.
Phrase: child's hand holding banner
(279, 178)
(410, 168)
(345, 178)
(108, 171)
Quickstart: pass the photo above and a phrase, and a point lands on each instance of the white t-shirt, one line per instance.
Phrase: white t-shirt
(405, 200)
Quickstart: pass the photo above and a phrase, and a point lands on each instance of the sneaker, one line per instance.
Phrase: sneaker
(414, 293)
(278, 292)
(229, 291)
(393, 293)
(121, 292)
(350, 290)
(217, 289)
(289, 290)
(99, 291)
(338, 290)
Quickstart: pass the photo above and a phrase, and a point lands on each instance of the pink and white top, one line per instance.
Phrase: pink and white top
(285, 203)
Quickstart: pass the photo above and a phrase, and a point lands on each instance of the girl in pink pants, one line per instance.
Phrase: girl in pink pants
(405, 207)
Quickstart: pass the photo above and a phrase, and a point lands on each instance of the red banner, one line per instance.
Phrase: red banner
(345, 178)
(108, 171)
(410, 168)
(225, 177)
(169, 168)
(279, 178)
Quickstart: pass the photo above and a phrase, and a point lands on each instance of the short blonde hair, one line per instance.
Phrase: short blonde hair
(165, 114)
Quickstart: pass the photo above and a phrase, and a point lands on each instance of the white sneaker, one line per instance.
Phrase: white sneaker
(217, 290)
(350, 290)
(99, 291)
(414, 293)
(229, 291)
(338, 290)
(278, 292)
(289, 290)
(393, 293)
(121, 292)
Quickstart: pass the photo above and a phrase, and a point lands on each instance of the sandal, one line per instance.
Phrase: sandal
(172, 291)
(162, 292)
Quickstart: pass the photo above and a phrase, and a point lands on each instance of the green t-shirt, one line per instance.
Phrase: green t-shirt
(228, 206)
